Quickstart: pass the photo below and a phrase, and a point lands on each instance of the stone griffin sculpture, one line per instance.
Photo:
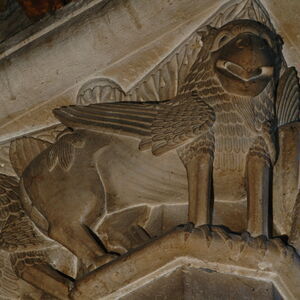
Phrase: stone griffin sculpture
(222, 124)
(225, 106)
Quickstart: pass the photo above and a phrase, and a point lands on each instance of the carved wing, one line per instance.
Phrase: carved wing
(177, 125)
(9, 201)
(17, 233)
(21, 242)
(288, 98)
(163, 126)
(17, 236)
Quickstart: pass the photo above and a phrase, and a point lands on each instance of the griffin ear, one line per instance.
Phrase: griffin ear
(211, 28)
(207, 33)
(280, 40)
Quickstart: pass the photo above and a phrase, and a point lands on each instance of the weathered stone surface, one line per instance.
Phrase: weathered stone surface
(35, 74)
(195, 283)
(259, 262)
(12, 19)
(218, 146)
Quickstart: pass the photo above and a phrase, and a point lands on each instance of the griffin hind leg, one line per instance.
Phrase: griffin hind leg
(79, 240)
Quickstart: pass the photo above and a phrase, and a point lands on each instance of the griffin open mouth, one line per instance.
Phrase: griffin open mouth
(242, 74)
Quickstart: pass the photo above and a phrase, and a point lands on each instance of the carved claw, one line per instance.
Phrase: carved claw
(206, 233)
(224, 236)
(262, 244)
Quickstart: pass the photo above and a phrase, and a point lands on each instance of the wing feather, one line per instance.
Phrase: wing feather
(288, 98)
(123, 118)
(162, 127)
(17, 231)
(9, 203)
(177, 125)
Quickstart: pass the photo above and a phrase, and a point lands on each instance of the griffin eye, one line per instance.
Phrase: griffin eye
(223, 41)
(267, 40)
(263, 44)
(239, 43)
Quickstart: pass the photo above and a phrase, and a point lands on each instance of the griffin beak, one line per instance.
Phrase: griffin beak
(242, 74)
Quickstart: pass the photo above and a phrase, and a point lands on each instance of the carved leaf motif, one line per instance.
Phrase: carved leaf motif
(245, 9)
(5, 163)
(23, 150)
(99, 90)
(169, 74)
(163, 82)
(288, 98)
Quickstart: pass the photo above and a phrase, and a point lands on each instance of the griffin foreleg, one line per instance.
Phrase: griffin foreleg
(198, 160)
(199, 173)
(258, 185)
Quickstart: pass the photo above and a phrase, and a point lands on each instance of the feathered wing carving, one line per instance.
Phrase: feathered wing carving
(21, 243)
(10, 206)
(162, 127)
(288, 98)
(133, 119)
(178, 124)
(17, 232)
(17, 235)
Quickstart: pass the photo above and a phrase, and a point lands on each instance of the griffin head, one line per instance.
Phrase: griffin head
(244, 55)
